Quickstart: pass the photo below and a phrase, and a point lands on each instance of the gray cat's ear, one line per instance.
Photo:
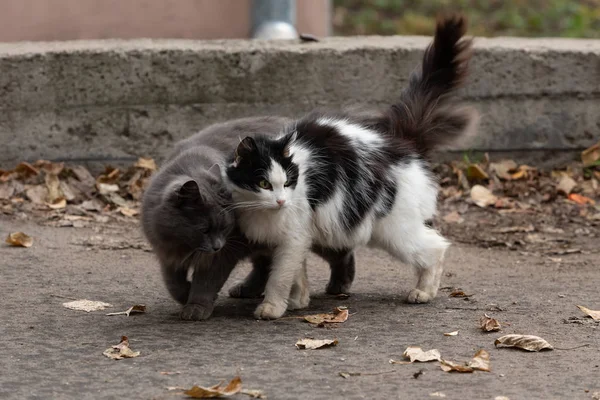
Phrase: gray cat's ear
(289, 140)
(216, 169)
(189, 191)
(244, 149)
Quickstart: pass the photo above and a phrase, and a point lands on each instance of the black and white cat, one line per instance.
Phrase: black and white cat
(343, 180)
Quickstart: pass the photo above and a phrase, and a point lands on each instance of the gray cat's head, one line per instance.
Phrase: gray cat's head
(191, 216)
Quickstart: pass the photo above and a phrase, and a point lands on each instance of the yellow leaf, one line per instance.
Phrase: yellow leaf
(475, 172)
(594, 314)
(19, 239)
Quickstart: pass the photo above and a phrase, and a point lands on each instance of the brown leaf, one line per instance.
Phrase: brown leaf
(136, 309)
(594, 314)
(84, 176)
(482, 196)
(453, 217)
(9, 189)
(121, 350)
(37, 194)
(313, 344)
(415, 353)
(58, 204)
(145, 163)
(503, 168)
(200, 392)
(128, 212)
(565, 185)
(339, 315)
(481, 361)
(459, 293)
(591, 155)
(475, 172)
(86, 305)
(582, 200)
(25, 170)
(53, 186)
(449, 366)
(19, 239)
(111, 175)
(514, 229)
(525, 342)
(489, 324)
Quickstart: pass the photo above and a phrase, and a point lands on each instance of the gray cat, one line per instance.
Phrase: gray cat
(188, 218)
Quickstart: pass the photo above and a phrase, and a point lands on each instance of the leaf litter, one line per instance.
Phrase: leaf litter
(524, 342)
(489, 324)
(86, 305)
(339, 315)
(595, 315)
(121, 350)
(479, 362)
(220, 390)
(19, 239)
(135, 309)
(314, 344)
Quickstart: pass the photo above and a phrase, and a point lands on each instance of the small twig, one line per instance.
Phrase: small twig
(63, 297)
(369, 373)
(464, 308)
(573, 348)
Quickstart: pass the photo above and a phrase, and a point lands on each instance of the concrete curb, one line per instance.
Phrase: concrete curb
(96, 100)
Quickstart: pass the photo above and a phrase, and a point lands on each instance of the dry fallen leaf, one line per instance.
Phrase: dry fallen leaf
(591, 155)
(594, 314)
(453, 217)
(53, 186)
(489, 324)
(58, 203)
(475, 172)
(19, 239)
(525, 342)
(200, 392)
(449, 366)
(106, 188)
(37, 194)
(121, 350)
(392, 361)
(339, 315)
(459, 293)
(482, 196)
(455, 333)
(502, 169)
(128, 212)
(581, 200)
(437, 394)
(415, 353)
(514, 229)
(136, 309)
(481, 361)
(566, 185)
(313, 344)
(145, 163)
(86, 305)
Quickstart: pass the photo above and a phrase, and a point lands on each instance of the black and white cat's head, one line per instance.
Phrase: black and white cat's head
(262, 173)
(196, 216)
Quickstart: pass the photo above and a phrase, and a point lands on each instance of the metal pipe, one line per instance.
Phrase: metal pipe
(274, 19)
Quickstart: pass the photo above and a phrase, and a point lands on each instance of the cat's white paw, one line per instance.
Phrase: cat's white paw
(298, 303)
(417, 296)
(268, 310)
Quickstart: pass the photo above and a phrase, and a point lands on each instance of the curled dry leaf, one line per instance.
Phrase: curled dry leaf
(128, 212)
(455, 333)
(594, 314)
(86, 305)
(450, 366)
(53, 186)
(313, 344)
(121, 350)
(566, 185)
(339, 315)
(475, 172)
(591, 155)
(525, 342)
(218, 391)
(136, 309)
(145, 163)
(392, 361)
(415, 353)
(480, 361)
(459, 293)
(19, 239)
(489, 324)
(482, 196)
(503, 168)
(581, 200)
(58, 204)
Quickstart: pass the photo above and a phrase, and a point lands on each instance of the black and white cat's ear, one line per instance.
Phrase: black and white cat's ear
(289, 140)
(244, 149)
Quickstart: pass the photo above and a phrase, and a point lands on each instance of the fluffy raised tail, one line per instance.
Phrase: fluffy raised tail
(425, 114)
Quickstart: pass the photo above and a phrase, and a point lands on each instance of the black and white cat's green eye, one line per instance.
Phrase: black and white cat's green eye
(286, 184)
(264, 184)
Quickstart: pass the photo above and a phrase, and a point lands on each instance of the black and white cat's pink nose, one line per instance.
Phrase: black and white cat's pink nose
(280, 202)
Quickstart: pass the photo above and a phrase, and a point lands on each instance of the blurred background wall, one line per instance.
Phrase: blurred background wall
(36, 20)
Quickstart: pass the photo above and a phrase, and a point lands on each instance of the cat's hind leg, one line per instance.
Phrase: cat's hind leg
(254, 284)
(420, 246)
(300, 294)
(342, 265)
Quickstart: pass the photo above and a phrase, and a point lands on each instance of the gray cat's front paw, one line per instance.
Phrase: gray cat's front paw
(196, 312)
(417, 296)
(243, 291)
(335, 287)
(270, 311)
